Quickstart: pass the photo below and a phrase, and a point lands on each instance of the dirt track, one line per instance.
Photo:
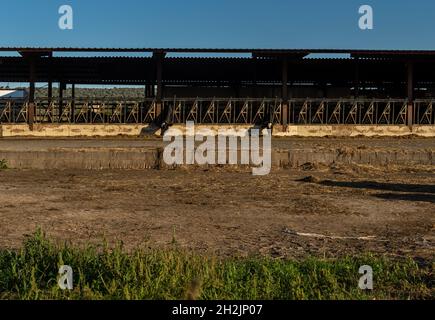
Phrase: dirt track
(228, 212)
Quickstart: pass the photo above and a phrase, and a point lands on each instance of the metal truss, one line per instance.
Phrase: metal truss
(424, 112)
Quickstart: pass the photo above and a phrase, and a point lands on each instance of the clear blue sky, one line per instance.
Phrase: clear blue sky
(399, 24)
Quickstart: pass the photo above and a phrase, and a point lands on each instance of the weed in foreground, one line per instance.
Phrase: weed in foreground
(101, 272)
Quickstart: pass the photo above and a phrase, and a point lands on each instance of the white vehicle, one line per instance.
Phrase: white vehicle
(11, 94)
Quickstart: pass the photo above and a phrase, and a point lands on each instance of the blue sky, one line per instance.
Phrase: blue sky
(220, 24)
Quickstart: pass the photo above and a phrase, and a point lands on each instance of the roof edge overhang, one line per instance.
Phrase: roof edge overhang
(357, 53)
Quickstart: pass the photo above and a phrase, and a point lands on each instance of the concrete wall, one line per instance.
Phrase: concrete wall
(111, 130)
(68, 130)
(82, 159)
(353, 131)
(152, 158)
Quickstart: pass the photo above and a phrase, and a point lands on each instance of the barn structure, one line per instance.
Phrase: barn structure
(285, 86)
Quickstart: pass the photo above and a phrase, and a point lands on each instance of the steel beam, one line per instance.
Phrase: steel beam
(50, 79)
(61, 88)
(357, 81)
(284, 94)
(31, 105)
(410, 89)
(254, 77)
(159, 57)
(73, 102)
(284, 73)
(50, 91)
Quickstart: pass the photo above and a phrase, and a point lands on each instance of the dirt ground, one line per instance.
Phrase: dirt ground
(327, 212)
(374, 143)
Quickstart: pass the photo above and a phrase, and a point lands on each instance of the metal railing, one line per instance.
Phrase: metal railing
(223, 111)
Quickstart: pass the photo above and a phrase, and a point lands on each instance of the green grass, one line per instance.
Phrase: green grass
(103, 273)
(3, 164)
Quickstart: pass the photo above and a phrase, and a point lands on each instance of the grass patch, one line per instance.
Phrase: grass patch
(104, 273)
(3, 164)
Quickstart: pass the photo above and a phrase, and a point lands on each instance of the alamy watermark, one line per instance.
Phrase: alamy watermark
(366, 20)
(66, 20)
(210, 147)
(65, 281)
(366, 281)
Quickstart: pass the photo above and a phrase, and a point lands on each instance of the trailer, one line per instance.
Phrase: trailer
(14, 94)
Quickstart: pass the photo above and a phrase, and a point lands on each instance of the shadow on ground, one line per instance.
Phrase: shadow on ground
(407, 197)
(397, 187)
(400, 191)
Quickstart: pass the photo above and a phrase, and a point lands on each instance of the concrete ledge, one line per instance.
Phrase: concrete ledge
(112, 130)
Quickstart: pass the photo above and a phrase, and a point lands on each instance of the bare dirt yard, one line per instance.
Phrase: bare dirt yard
(313, 211)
